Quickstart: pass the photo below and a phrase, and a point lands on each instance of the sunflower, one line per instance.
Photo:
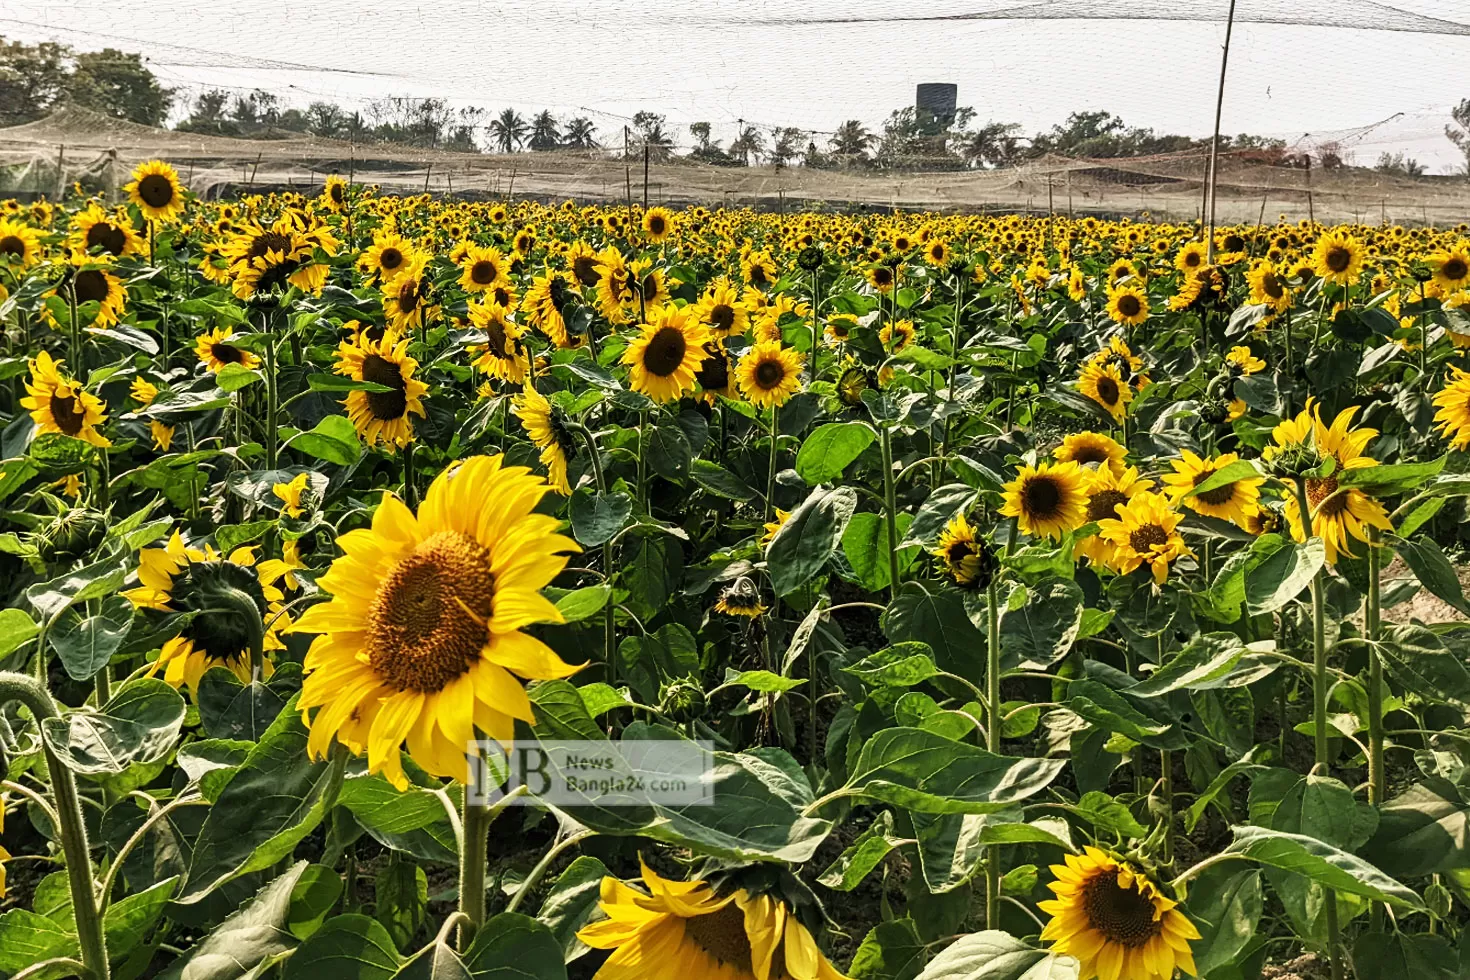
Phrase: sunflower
(94, 231)
(422, 640)
(839, 328)
(1105, 385)
(1116, 921)
(481, 269)
(335, 194)
(616, 288)
(936, 253)
(215, 350)
(290, 493)
(1091, 447)
(20, 245)
(1452, 267)
(759, 269)
(1047, 500)
(387, 256)
(544, 424)
(1268, 288)
(880, 277)
(90, 283)
(964, 555)
(658, 224)
(896, 335)
(742, 598)
(663, 359)
(771, 527)
(59, 404)
(1237, 502)
(684, 930)
(769, 374)
(382, 416)
(1241, 360)
(852, 382)
(1191, 258)
(1145, 532)
(1453, 402)
(503, 356)
(1338, 513)
(283, 569)
(548, 301)
(1127, 305)
(405, 296)
(1106, 489)
(265, 259)
(1338, 258)
(721, 311)
(156, 192)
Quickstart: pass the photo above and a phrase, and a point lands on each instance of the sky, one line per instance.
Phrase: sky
(813, 63)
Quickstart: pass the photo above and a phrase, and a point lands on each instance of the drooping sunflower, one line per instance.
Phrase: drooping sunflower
(742, 598)
(422, 640)
(720, 310)
(406, 296)
(335, 193)
(964, 554)
(1268, 288)
(1237, 502)
(503, 356)
(95, 231)
(544, 424)
(1088, 448)
(1116, 921)
(90, 282)
(896, 335)
(1145, 532)
(1339, 513)
(59, 404)
(1047, 500)
(1106, 490)
(382, 416)
(769, 374)
(1105, 385)
(387, 256)
(214, 350)
(481, 269)
(20, 244)
(1127, 305)
(156, 192)
(663, 359)
(684, 930)
(1453, 402)
(546, 304)
(1338, 258)
(658, 224)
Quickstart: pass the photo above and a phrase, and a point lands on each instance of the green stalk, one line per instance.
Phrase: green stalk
(1166, 790)
(70, 825)
(816, 319)
(476, 818)
(240, 604)
(890, 506)
(771, 468)
(993, 725)
(271, 395)
(1377, 783)
(609, 634)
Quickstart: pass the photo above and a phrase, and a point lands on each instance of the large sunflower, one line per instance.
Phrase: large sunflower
(1106, 490)
(1127, 305)
(1047, 500)
(263, 260)
(663, 359)
(1145, 532)
(95, 231)
(1105, 385)
(156, 192)
(769, 374)
(335, 194)
(1237, 502)
(215, 350)
(405, 296)
(1452, 267)
(1088, 448)
(503, 356)
(1338, 258)
(59, 404)
(1453, 402)
(388, 255)
(1268, 288)
(658, 224)
(964, 554)
(543, 423)
(686, 931)
(721, 310)
(1116, 921)
(482, 269)
(1339, 513)
(422, 640)
(382, 416)
(20, 244)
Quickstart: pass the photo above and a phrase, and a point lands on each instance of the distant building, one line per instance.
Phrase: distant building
(939, 99)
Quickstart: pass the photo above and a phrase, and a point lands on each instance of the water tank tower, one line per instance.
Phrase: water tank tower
(939, 99)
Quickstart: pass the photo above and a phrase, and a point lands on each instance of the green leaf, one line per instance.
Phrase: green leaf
(413, 821)
(803, 545)
(1225, 904)
(762, 681)
(93, 581)
(128, 921)
(1402, 954)
(1106, 813)
(86, 644)
(337, 382)
(1040, 631)
(1420, 660)
(349, 947)
(230, 708)
(1203, 663)
(401, 899)
(251, 937)
(1322, 863)
(920, 770)
(139, 724)
(16, 630)
(1423, 831)
(1113, 712)
(865, 543)
(27, 939)
(570, 903)
(669, 452)
(511, 946)
(936, 615)
(721, 482)
(935, 513)
(891, 950)
(830, 449)
(312, 899)
(596, 517)
(1432, 569)
(953, 845)
(332, 440)
(1388, 480)
(1241, 469)
(651, 661)
(578, 604)
(58, 454)
(862, 855)
(901, 665)
(1282, 576)
(995, 955)
(233, 377)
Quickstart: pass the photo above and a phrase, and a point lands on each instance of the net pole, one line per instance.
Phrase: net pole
(1213, 176)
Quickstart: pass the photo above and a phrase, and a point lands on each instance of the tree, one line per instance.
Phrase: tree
(545, 131)
(1459, 131)
(785, 143)
(852, 141)
(917, 137)
(650, 134)
(326, 120)
(992, 145)
(749, 144)
(581, 134)
(460, 135)
(707, 150)
(1399, 165)
(32, 79)
(508, 130)
(118, 84)
(208, 114)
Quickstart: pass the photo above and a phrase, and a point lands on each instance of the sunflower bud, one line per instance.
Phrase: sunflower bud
(1294, 462)
(1439, 900)
(1215, 411)
(810, 258)
(71, 535)
(682, 700)
(959, 268)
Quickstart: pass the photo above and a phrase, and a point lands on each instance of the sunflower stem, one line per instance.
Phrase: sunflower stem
(271, 398)
(890, 507)
(70, 824)
(771, 468)
(476, 819)
(994, 724)
(1377, 784)
(1166, 790)
(609, 630)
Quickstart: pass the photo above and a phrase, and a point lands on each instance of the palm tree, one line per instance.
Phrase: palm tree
(750, 143)
(579, 134)
(852, 140)
(992, 145)
(545, 131)
(508, 130)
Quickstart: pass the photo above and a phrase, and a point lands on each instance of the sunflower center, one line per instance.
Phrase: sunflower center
(1041, 497)
(1217, 497)
(714, 371)
(1271, 286)
(1104, 504)
(665, 352)
(1319, 491)
(722, 317)
(408, 295)
(1122, 915)
(1128, 305)
(1455, 269)
(1192, 259)
(1234, 243)
(496, 337)
(90, 286)
(13, 245)
(268, 242)
(337, 192)
(67, 413)
(385, 405)
(427, 626)
(156, 190)
(226, 353)
(108, 236)
(656, 225)
(1107, 390)
(769, 373)
(758, 276)
(1339, 258)
(722, 935)
(390, 258)
(1147, 537)
(958, 552)
(483, 273)
(584, 267)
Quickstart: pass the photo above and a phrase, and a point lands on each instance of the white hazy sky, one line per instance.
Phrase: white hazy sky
(724, 60)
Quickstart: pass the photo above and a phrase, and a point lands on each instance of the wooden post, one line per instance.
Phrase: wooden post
(1311, 208)
(61, 173)
(645, 175)
(427, 173)
(254, 170)
(510, 193)
(627, 168)
(1214, 176)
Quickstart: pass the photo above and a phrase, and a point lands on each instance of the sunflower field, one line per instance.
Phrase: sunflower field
(1042, 598)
